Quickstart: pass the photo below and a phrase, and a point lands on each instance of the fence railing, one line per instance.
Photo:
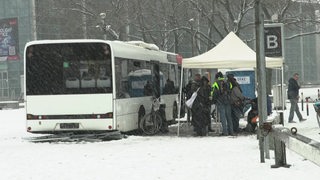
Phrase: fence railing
(284, 137)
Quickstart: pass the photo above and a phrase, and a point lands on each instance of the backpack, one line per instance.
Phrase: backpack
(221, 91)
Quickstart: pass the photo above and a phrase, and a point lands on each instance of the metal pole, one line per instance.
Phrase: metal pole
(180, 100)
(127, 22)
(307, 105)
(301, 101)
(34, 21)
(261, 71)
(283, 92)
(84, 21)
(192, 41)
(301, 47)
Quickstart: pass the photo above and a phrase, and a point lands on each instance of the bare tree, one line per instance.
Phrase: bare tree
(172, 24)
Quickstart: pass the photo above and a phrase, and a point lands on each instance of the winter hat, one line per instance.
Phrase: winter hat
(219, 75)
(204, 79)
(230, 76)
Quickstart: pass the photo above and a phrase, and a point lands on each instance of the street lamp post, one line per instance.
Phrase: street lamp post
(105, 28)
(301, 45)
(103, 24)
(192, 36)
(193, 42)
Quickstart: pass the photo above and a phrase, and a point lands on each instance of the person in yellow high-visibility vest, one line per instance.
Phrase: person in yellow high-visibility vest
(220, 93)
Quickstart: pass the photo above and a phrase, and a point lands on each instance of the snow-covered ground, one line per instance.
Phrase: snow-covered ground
(140, 157)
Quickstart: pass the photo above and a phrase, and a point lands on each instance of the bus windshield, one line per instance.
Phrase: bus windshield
(70, 68)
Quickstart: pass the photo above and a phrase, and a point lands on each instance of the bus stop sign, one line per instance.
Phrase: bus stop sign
(273, 40)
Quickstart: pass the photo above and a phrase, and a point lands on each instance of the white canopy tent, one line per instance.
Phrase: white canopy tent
(230, 53)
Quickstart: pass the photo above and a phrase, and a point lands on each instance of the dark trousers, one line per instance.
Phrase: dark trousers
(235, 114)
(189, 115)
(294, 108)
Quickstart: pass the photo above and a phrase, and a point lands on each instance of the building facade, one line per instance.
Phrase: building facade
(15, 31)
(25, 20)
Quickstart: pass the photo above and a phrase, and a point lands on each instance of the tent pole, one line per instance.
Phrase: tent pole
(179, 100)
(282, 87)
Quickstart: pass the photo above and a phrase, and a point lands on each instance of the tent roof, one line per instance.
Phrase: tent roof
(231, 52)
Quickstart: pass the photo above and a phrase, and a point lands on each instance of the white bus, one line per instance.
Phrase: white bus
(96, 85)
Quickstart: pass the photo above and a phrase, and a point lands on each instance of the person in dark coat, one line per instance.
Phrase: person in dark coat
(201, 109)
(237, 99)
(293, 96)
(147, 91)
(169, 87)
(190, 88)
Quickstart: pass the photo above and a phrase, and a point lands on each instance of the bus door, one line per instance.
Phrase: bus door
(155, 74)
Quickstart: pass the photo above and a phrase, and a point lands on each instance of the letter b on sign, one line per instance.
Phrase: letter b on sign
(273, 40)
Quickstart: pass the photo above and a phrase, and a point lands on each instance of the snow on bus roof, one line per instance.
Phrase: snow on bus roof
(50, 41)
(128, 46)
(144, 45)
(135, 43)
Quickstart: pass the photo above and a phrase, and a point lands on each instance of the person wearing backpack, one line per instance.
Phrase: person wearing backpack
(221, 92)
(237, 99)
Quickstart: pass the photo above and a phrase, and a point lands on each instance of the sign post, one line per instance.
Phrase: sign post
(261, 74)
(274, 47)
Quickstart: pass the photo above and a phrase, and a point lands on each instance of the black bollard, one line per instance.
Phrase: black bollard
(280, 151)
(301, 101)
(307, 105)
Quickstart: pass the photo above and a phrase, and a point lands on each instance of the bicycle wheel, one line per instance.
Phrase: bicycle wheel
(151, 123)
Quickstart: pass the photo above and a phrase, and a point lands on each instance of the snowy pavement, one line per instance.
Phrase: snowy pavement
(147, 157)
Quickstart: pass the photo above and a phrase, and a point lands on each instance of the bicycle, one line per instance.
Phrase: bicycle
(151, 123)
